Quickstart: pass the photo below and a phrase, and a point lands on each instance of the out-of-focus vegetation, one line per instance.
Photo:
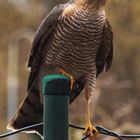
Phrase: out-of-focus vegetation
(116, 104)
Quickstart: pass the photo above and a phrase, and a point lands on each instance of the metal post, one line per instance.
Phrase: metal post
(56, 101)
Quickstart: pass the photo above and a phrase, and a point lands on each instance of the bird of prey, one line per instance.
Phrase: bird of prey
(75, 39)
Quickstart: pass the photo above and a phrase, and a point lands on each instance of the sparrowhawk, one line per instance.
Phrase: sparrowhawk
(75, 39)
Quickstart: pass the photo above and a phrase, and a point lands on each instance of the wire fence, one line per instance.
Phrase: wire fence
(101, 130)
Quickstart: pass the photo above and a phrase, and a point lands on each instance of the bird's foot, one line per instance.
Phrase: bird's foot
(68, 75)
(90, 130)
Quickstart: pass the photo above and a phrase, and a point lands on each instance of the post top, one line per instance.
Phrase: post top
(56, 85)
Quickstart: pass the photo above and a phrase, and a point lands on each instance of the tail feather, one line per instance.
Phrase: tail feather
(29, 113)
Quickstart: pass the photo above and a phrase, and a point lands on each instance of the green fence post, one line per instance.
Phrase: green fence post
(56, 101)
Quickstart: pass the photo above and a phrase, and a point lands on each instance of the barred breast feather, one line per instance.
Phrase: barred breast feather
(74, 43)
(75, 39)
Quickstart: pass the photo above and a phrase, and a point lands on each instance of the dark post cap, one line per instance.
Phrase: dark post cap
(56, 85)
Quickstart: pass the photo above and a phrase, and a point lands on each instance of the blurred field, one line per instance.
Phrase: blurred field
(116, 104)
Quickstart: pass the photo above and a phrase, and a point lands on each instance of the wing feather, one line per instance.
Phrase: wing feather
(105, 52)
(42, 35)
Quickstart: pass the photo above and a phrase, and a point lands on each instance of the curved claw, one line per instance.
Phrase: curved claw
(90, 130)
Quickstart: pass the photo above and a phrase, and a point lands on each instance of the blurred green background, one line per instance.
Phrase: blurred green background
(116, 104)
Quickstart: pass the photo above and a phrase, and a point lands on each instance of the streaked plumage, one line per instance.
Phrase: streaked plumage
(76, 37)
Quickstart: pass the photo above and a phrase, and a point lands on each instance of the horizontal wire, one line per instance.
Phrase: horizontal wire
(20, 130)
(100, 129)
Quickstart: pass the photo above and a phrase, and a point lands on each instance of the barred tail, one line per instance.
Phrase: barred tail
(29, 113)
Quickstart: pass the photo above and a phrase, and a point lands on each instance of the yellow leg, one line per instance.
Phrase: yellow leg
(89, 128)
(70, 76)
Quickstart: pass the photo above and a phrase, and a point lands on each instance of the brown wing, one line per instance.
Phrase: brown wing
(41, 36)
(31, 110)
(105, 52)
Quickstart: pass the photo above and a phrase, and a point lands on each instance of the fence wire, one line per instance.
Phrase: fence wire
(100, 129)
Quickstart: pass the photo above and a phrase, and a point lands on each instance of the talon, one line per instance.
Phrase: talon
(90, 130)
(70, 76)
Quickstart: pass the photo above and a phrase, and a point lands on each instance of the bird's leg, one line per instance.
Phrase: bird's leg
(68, 75)
(89, 130)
